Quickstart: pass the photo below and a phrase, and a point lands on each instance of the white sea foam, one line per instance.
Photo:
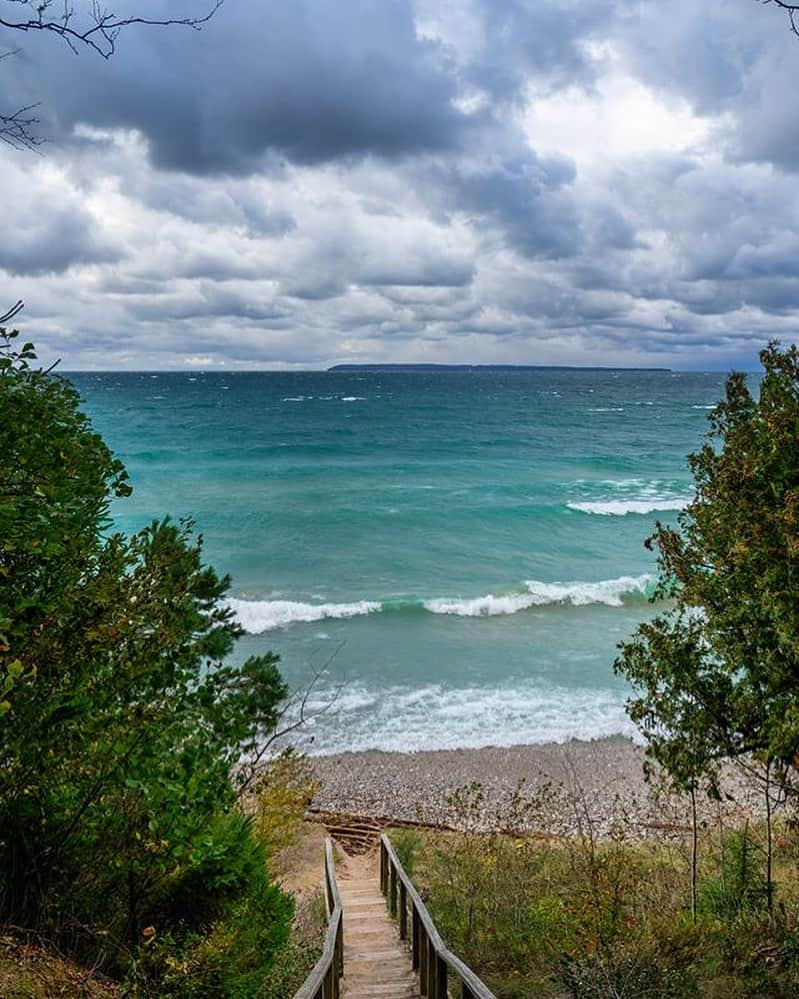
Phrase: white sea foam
(579, 594)
(487, 606)
(621, 507)
(353, 398)
(606, 591)
(257, 616)
(703, 407)
(434, 716)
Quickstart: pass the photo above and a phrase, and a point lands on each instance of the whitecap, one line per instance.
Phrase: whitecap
(609, 592)
(621, 507)
(606, 591)
(486, 606)
(353, 398)
(257, 616)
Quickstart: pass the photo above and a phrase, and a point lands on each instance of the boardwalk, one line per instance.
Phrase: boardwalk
(376, 964)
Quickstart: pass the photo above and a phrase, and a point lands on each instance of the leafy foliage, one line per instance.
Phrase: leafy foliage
(594, 919)
(121, 721)
(716, 676)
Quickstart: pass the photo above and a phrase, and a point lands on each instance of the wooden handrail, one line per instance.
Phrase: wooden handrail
(431, 959)
(324, 981)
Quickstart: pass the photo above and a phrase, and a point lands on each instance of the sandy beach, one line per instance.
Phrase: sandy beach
(548, 789)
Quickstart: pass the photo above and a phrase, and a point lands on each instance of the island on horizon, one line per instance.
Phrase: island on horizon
(487, 367)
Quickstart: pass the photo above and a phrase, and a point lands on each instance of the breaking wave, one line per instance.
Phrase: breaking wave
(434, 716)
(610, 592)
(621, 507)
(257, 616)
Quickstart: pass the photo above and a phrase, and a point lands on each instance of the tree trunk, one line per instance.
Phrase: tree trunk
(694, 852)
(769, 843)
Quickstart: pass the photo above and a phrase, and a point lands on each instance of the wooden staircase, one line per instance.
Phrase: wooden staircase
(376, 964)
(381, 942)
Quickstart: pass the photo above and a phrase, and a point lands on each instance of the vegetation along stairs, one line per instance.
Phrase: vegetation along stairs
(381, 941)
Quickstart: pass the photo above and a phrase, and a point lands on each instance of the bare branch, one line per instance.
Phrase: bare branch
(293, 715)
(100, 31)
(18, 129)
(9, 315)
(793, 12)
(97, 31)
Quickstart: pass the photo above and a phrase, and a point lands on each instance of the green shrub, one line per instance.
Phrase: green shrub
(407, 843)
(739, 886)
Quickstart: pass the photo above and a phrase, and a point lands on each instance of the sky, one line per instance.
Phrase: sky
(591, 182)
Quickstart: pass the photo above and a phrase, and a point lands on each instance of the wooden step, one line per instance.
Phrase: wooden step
(377, 963)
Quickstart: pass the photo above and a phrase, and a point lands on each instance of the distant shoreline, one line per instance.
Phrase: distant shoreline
(410, 368)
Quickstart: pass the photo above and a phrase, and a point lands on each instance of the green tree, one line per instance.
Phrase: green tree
(122, 723)
(716, 676)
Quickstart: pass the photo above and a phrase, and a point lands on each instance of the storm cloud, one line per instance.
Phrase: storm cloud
(532, 181)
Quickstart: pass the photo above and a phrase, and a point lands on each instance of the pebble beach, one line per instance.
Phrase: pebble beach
(550, 789)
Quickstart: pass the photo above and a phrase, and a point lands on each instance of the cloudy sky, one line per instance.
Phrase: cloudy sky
(323, 181)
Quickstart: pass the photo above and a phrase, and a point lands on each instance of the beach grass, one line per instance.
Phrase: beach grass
(585, 917)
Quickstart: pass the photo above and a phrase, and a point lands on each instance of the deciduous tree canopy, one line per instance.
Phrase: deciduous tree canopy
(717, 675)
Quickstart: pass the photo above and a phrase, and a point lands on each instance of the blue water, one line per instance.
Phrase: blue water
(457, 553)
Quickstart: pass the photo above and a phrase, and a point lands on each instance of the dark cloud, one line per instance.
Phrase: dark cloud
(311, 80)
(543, 43)
(521, 194)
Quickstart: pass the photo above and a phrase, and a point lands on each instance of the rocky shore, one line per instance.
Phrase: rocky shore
(551, 789)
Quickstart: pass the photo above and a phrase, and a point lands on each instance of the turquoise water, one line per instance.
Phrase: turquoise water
(458, 552)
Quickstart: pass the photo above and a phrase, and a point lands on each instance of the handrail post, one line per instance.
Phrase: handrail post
(383, 859)
(392, 891)
(432, 968)
(423, 960)
(414, 938)
(403, 910)
(441, 978)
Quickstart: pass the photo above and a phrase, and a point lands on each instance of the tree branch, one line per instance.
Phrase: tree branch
(9, 315)
(98, 31)
(102, 29)
(17, 129)
(791, 8)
